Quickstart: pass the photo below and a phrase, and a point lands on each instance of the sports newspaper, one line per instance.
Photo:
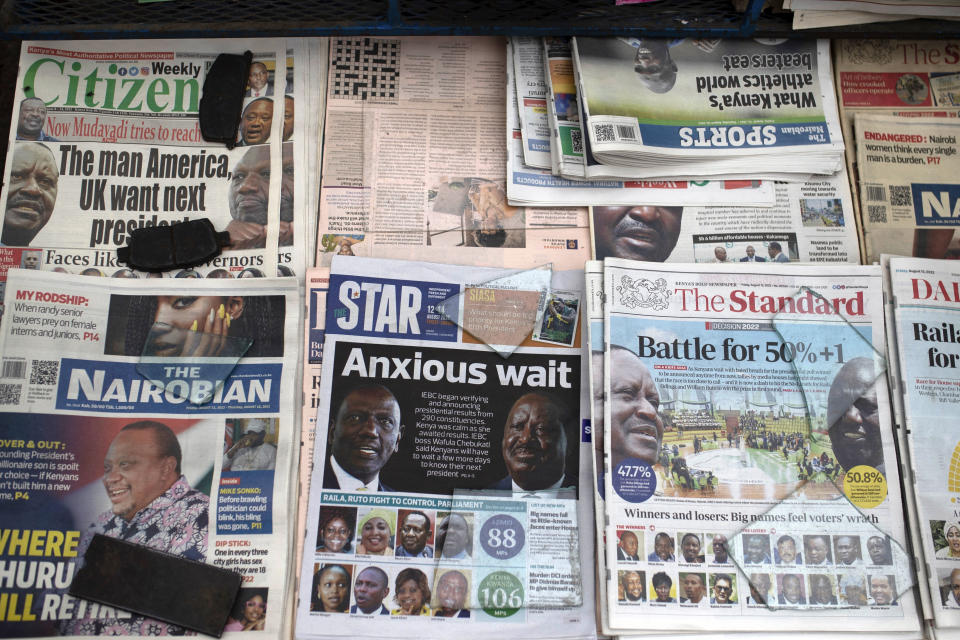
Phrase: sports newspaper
(925, 302)
(734, 495)
(82, 407)
(119, 148)
(442, 456)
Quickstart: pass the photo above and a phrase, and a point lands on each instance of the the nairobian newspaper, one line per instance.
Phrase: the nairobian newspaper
(925, 302)
(809, 222)
(909, 189)
(446, 476)
(751, 475)
(709, 107)
(539, 187)
(133, 410)
(415, 157)
(105, 139)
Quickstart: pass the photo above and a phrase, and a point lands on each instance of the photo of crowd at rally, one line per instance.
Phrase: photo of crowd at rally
(752, 446)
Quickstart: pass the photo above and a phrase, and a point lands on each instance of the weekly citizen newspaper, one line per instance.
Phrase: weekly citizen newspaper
(414, 157)
(909, 189)
(539, 187)
(91, 444)
(431, 509)
(812, 221)
(925, 300)
(701, 107)
(735, 495)
(105, 139)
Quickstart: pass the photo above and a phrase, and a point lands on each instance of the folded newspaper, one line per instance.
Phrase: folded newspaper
(158, 412)
(446, 475)
(709, 107)
(750, 477)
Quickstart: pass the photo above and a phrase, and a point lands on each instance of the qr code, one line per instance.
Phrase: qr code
(365, 68)
(576, 141)
(604, 133)
(44, 372)
(10, 393)
(900, 196)
(877, 213)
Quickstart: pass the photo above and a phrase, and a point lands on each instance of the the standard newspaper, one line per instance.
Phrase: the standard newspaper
(446, 476)
(909, 185)
(538, 187)
(414, 159)
(751, 475)
(105, 139)
(131, 409)
(709, 107)
(809, 222)
(926, 305)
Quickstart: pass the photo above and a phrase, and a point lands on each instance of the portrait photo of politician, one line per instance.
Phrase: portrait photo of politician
(255, 122)
(259, 81)
(631, 587)
(184, 326)
(691, 548)
(31, 193)
(790, 589)
(756, 548)
(628, 543)
(415, 535)
(883, 590)
(151, 504)
(248, 197)
(331, 588)
(411, 593)
(759, 584)
(251, 445)
(822, 591)
(636, 428)
(375, 530)
(816, 548)
(723, 589)
(946, 539)
(640, 232)
(847, 551)
(363, 434)
(534, 444)
(662, 588)
(663, 548)
(853, 416)
(785, 551)
(335, 529)
(455, 536)
(719, 549)
(31, 119)
(694, 588)
(452, 594)
(370, 589)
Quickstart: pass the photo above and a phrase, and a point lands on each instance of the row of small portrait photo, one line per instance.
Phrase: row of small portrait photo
(853, 589)
(396, 590)
(403, 533)
(788, 549)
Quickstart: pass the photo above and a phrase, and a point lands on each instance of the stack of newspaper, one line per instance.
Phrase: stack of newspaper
(654, 107)
(813, 14)
(748, 459)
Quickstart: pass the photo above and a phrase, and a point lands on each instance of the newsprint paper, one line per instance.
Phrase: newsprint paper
(105, 140)
(926, 304)
(730, 501)
(445, 478)
(909, 185)
(80, 418)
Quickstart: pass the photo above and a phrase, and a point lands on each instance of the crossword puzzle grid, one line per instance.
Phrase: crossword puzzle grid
(365, 68)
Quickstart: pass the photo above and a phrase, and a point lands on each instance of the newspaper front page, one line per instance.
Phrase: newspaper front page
(909, 189)
(418, 415)
(708, 106)
(538, 187)
(925, 307)
(730, 500)
(415, 157)
(96, 439)
(105, 140)
(809, 222)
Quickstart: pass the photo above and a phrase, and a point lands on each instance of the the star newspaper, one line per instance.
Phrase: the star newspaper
(924, 297)
(909, 189)
(105, 139)
(126, 412)
(451, 471)
(527, 184)
(750, 478)
(657, 107)
(414, 160)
